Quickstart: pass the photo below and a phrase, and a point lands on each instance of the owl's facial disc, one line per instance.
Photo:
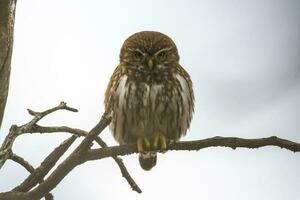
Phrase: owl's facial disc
(148, 62)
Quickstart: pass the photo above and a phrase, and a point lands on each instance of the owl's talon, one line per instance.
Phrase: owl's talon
(143, 144)
(160, 142)
(147, 143)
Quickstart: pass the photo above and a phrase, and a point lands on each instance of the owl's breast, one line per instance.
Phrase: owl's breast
(143, 109)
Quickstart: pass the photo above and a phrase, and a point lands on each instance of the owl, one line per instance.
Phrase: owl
(150, 95)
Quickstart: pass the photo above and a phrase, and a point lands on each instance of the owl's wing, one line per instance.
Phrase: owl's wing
(187, 96)
(187, 83)
(111, 88)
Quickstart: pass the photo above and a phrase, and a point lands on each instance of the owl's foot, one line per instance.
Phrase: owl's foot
(160, 142)
(143, 144)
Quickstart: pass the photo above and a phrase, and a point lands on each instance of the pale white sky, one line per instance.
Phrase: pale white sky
(243, 57)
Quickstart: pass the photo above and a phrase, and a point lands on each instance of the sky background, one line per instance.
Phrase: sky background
(244, 60)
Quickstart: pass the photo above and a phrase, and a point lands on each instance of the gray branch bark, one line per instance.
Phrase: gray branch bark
(84, 153)
(39, 173)
(7, 18)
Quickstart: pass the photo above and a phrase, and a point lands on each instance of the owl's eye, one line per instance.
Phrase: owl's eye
(162, 55)
(138, 54)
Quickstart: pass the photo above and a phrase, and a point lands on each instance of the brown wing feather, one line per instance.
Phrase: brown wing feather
(112, 85)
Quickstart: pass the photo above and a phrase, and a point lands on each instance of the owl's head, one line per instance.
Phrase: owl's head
(148, 51)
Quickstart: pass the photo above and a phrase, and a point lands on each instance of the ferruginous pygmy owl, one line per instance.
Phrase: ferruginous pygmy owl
(150, 95)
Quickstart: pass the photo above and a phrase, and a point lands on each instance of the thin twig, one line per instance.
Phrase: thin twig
(22, 162)
(33, 127)
(72, 161)
(15, 131)
(39, 173)
(37, 116)
(29, 168)
(122, 167)
(53, 129)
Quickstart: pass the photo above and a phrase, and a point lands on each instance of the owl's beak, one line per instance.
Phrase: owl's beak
(150, 64)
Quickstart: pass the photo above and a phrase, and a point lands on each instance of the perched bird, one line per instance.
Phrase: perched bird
(150, 95)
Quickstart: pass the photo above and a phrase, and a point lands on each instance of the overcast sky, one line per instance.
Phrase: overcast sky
(244, 60)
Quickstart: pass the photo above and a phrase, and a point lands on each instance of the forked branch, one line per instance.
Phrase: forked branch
(84, 153)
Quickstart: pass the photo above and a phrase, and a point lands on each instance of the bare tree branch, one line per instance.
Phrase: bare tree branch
(29, 168)
(122, 167)
(231, 142)
(72, 161)
(84, 153)
(78, 132)
(39, 115)
(95, 154)
(22, 162)
(16, 131)
(33, 127)
(39, 173)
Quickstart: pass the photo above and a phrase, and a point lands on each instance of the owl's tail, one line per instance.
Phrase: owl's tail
(147, 160)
